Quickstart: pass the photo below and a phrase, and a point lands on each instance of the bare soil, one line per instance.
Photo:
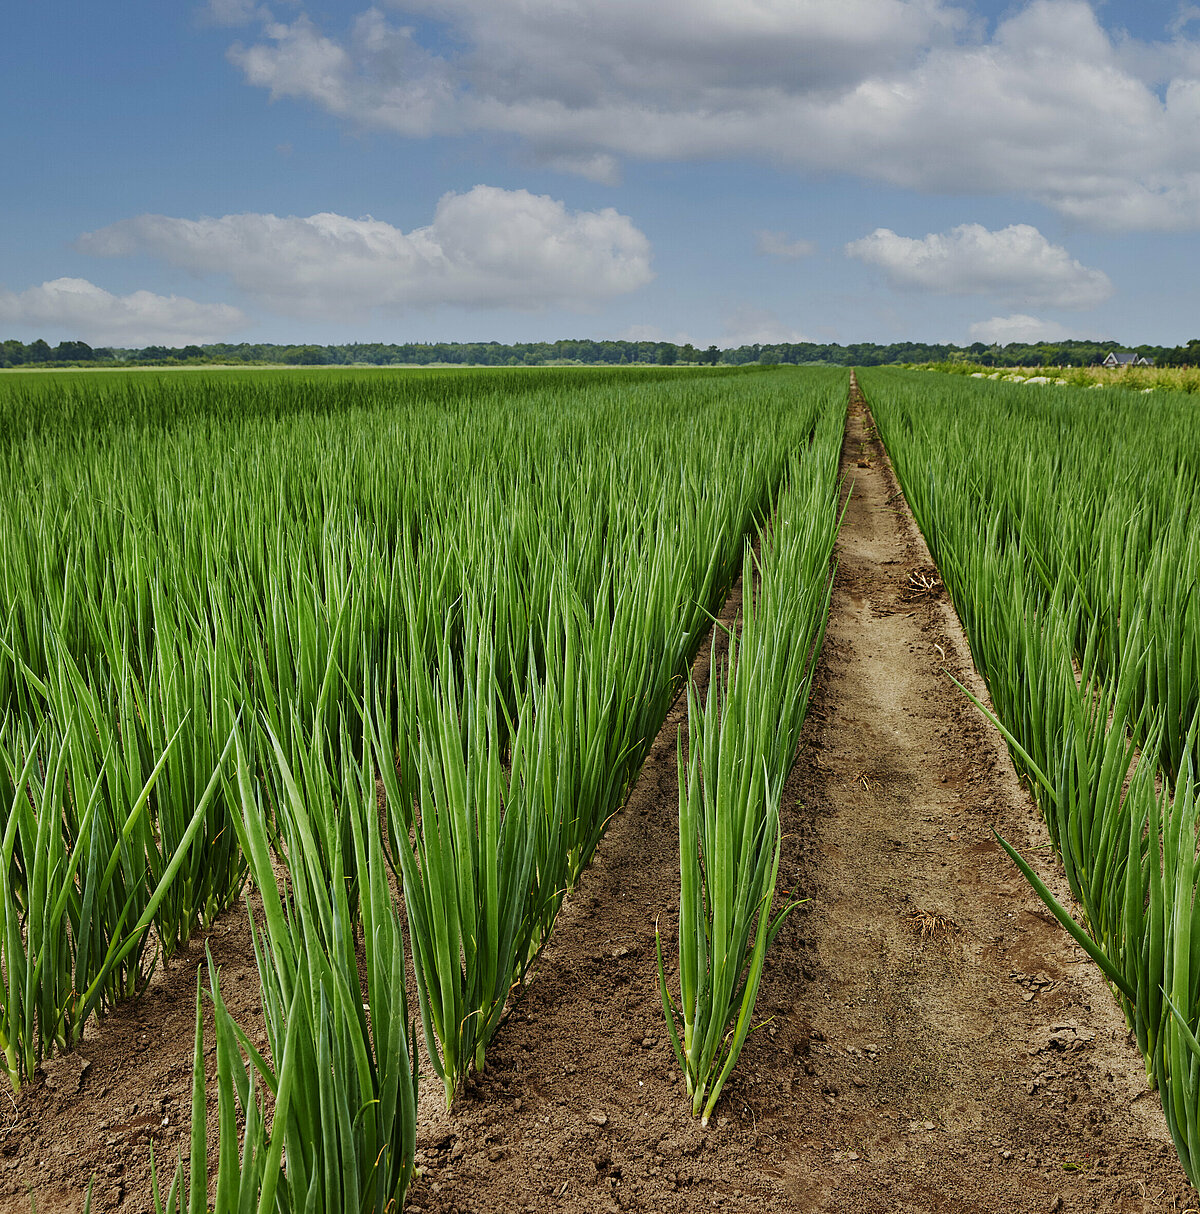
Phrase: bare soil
(931, 1040)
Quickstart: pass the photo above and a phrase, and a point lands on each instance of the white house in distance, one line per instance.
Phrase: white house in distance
(1126, 358)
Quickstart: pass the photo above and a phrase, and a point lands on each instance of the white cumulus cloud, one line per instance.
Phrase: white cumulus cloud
(528, 62)
(378, 76)
(1016, 263)
(80, 310)
(486, 248)
(918, 93)
(781, 247)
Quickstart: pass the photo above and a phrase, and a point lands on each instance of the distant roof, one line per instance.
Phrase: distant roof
(1122, 357)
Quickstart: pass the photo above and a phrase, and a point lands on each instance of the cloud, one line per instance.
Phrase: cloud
(1001, 330)
(595, 166)
(1016, 263)
(487, 248)
(380, 76)
(917, 93)
(557, 72)
(1186, 14)
(80, 310)
(777, 245)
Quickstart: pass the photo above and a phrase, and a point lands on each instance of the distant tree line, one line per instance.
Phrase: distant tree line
(17, 354)
(541, 353)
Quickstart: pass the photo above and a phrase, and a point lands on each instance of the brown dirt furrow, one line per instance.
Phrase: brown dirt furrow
(962, 1053)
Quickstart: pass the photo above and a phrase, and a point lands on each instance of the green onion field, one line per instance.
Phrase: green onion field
(237, 607)
(366, 665)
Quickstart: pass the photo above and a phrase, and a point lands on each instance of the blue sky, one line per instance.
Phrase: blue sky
(705, 170)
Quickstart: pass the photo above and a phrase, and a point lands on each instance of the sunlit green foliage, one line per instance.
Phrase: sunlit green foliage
(242, 610)
(742, 739)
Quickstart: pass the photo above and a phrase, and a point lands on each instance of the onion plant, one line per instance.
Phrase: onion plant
(467, 870)
(325, 1119)
(77, 906)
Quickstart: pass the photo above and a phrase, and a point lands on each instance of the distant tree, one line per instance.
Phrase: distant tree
(12, 353)
(309, 356)
(712, 354)
(73, 351)
(1189, 355)
(38, 352)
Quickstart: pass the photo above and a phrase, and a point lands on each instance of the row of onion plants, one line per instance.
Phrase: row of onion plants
(508, 801)
(1066, 530)
(742, 740)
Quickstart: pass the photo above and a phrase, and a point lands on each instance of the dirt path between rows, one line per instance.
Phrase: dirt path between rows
(933, 1041)
(963, 1054)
